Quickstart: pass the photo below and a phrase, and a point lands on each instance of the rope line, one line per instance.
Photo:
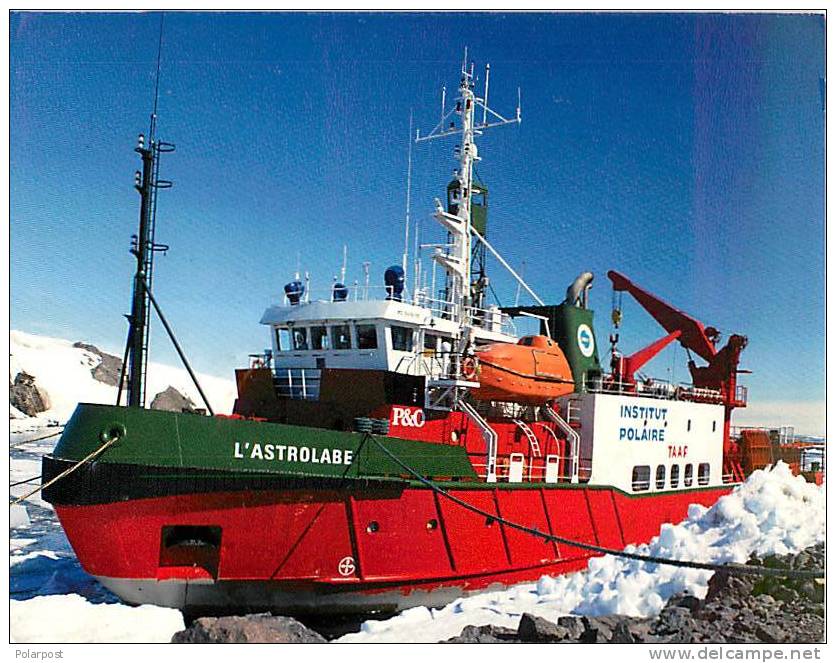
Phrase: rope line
(18, 483)
(69, 470)
(733, 569)
(36, 439)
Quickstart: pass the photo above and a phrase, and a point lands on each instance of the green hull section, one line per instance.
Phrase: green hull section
(179, 440)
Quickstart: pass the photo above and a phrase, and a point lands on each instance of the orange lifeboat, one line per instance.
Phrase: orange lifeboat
(531, 372)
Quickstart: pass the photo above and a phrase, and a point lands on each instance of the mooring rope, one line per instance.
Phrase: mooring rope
(36, 439)
(18, 483)
(733, 569)
(69, 470)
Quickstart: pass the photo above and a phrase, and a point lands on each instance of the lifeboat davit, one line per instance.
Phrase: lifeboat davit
(531, 372)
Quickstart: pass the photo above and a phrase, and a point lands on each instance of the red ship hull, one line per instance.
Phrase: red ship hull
(300, 552)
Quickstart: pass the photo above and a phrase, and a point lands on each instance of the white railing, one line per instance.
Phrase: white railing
(490, 436)
(656, 388)
(298, 383)
(490, 319)
(571, 435)
(356, 293)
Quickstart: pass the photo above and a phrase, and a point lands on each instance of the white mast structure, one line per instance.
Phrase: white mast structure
(456, 259)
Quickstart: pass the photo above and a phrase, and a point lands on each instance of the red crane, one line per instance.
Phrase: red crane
(720, 375)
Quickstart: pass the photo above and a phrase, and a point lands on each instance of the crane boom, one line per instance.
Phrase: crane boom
(694, 335)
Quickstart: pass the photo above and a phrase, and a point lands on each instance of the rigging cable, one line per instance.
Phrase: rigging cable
(36, 439)
(733, 569)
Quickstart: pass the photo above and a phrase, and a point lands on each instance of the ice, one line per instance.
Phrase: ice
(774, 512)
(18, 517)
(71, 618)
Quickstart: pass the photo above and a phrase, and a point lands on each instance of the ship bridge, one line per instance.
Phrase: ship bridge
(369, 334)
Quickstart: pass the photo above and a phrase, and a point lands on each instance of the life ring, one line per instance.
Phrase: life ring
(469, 368)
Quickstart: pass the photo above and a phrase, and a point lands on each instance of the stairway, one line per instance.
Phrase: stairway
(533, 442)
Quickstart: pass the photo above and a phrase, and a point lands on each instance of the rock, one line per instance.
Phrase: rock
(766, 633)
(598, 629)
(26, 396)
(484, 635)
(622, 634)
(110, 367)
(572, 624)
(264, 628)
(676, 622)
(537, 629)
(737, 609)
(172, 401)
(688, 601)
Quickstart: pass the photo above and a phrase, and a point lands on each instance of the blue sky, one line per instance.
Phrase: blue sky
(686, 151)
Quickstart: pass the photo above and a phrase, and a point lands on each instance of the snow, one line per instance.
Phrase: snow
(774, 512)
(55, 600)
(63, 372)
(71, 618)
(18, 517)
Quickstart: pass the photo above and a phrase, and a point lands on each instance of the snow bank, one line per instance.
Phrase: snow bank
(64, 373)
(18, 517)
(774, 512)
(70, 618)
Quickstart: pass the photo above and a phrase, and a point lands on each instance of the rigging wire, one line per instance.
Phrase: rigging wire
(36, 439)
(732, 569)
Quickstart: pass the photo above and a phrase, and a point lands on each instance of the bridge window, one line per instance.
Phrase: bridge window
(714, 426)
(341, 335)
(366, 337)
(660, 477)
(401, 338)
(674, 476)
(688, 479)
(300, 339)
(430, 342)
(703, 473)
(282, 339)
(689, 425)
(319, 338)
(641, 477)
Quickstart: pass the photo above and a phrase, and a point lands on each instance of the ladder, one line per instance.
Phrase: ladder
(532, 438)
(490, 438)
(571, 434)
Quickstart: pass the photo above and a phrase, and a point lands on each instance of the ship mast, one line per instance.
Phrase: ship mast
(147, 182)
(456, 259)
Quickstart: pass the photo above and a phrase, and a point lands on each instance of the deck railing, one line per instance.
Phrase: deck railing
(609, 384)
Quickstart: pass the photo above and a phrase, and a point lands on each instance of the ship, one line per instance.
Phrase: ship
(381, 448)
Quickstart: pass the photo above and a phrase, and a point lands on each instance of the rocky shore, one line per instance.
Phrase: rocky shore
(736, 609)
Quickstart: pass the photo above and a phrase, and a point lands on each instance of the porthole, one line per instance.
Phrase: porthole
(454, 436)
(373, 527)
(432, 524)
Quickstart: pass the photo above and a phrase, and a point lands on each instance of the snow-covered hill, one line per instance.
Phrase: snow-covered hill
(64, 373)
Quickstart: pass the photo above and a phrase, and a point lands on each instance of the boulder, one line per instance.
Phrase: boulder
(573, 624)
(172, 401)
(109, 368)
(537, 629)
(26, 396)
(484, 635)
(247, 629)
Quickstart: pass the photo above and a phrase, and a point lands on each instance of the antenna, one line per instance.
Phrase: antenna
(457, 260)
(143, 246)
(487, 83)
(153, 128)
(408, 191)
(345, 260)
